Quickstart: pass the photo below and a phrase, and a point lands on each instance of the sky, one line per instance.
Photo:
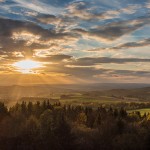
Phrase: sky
(75, 41)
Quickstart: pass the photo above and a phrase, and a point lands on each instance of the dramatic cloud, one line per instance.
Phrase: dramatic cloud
(77, 41)
(27, 36)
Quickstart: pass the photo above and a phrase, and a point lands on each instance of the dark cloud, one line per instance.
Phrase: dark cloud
(27, 36)
(123, 75)
(60, 23)
(142, 43)
(145, 42)
(48, 19)
(54, 58)
(112, 31)
(89, 61)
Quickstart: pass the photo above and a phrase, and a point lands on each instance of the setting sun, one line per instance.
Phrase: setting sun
(27, 66)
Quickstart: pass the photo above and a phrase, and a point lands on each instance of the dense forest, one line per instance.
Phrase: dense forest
(43, 126)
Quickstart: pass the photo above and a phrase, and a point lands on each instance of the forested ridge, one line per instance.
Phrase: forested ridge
(43, 126)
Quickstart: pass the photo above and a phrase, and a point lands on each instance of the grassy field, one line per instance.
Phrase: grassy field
(142, 111)
(89, 101)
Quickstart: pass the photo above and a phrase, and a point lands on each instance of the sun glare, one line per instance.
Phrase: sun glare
(27, 66)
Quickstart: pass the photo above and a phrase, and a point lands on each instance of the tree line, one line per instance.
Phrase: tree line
(43, 126)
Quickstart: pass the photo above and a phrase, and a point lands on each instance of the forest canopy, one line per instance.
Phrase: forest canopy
(43, 126)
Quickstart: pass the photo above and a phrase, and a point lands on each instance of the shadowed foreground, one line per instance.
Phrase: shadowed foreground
(42, 126)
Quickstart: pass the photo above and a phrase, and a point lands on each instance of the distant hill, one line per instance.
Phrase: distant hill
(46, 90)
(139, 93)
